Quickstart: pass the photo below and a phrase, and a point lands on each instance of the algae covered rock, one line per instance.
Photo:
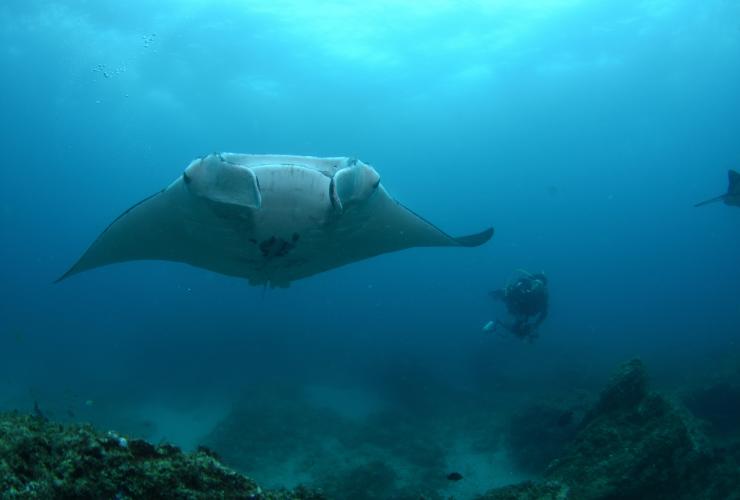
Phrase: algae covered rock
(632, 444)
(635, 444)
(626, 389)
(40, 459)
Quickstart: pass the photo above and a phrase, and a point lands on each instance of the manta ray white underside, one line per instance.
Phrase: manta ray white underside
(271, 219)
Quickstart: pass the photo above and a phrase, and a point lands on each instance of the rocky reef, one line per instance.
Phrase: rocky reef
(630, 442)
(41, 459)
(633, 444)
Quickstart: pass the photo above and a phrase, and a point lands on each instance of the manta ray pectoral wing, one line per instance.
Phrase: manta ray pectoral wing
(475, 240)
(152, 229)
(733, 190)
(391, 226)
(420, 232)
(710, 200)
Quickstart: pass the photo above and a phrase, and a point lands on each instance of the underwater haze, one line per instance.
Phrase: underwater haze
(583, 131)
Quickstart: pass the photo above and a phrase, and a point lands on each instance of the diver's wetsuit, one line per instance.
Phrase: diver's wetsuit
(527, 302)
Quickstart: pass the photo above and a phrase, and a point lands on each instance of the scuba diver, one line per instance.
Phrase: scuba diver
(526, 301)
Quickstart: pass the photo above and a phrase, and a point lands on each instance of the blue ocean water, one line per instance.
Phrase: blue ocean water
(582, 131)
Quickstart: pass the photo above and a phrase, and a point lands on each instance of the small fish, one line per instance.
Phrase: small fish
(454, 476)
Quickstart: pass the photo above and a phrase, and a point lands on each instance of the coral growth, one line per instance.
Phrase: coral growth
(635, 444)
(40, 459)
(631, 443)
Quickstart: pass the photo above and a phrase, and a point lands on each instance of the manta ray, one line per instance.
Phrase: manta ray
(271, 219)
(732, 196)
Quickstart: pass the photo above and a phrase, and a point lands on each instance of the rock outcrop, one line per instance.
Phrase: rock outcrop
(635, 444)
(41, 459)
